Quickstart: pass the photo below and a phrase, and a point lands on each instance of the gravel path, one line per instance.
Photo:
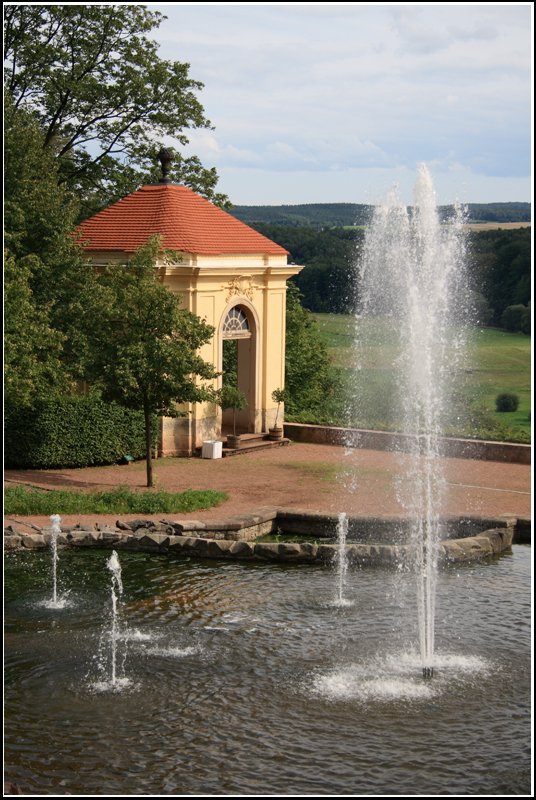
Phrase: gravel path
(302, 476)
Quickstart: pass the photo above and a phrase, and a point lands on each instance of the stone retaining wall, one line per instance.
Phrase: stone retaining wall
(466, 539)
(400, 442)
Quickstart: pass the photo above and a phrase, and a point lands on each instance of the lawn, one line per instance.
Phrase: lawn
(495, 362)
(21, 500)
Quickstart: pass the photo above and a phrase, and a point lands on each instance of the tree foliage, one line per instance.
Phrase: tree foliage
(43, 269)
(310, 381)
(329, 215)
(103, 97)
(32, 348)
(498, 268)
(328, 282)
(142, 347)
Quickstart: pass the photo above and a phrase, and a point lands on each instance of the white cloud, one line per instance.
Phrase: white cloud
(323, 89)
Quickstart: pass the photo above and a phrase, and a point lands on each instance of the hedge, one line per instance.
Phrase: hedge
(80, 431)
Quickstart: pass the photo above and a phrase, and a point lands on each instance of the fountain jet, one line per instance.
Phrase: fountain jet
(342, 558)
(411, 276)
(116, 586)
(55, 530)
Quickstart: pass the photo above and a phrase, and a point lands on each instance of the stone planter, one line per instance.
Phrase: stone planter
(274, 434)
(233, 442)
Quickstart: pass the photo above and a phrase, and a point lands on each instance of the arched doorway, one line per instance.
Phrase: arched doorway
(238, 359)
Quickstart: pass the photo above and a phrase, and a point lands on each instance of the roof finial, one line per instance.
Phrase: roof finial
(165, 156)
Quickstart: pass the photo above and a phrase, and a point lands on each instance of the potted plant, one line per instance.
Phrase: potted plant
(276, 431)
(231, 397)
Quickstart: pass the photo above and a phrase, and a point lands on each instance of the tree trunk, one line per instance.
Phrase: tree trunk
(148, 443)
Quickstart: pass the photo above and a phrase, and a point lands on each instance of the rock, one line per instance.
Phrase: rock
(123, 526)
(153, 541)
(13, 788)
(326, 553)
(162, 527)
(241, 549)
(177, 543)
(33, 540)
(12, 542)
(218, 548)
(267, 550)
(289, 550)
(135, 524)
(308, 550)
(76, 537)
(91, 538)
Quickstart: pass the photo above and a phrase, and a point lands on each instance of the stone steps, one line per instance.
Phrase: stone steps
(250, 442)
(257, 442)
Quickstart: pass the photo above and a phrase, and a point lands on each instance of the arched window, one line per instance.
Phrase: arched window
(236, 325)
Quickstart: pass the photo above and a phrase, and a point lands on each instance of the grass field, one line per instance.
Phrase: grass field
(494, 362)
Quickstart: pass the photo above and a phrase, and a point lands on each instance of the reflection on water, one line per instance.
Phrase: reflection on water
(246, 679)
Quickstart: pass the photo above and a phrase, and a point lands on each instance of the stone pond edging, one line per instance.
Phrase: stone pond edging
(371, 541)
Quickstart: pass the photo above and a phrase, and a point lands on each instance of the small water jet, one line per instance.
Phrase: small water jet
(116, 585)
(342, 558)
(55, 531)
(112, 637)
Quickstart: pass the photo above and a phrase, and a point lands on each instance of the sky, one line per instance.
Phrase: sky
(326, 103)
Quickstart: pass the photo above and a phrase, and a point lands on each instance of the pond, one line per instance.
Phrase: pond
(242, 678)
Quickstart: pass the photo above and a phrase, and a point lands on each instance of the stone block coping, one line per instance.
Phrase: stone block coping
(509, 452)
(371, 541)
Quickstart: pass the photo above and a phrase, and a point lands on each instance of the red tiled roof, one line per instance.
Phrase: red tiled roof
(185, 220)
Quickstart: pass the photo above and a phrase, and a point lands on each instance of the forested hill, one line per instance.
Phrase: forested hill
(347, 214)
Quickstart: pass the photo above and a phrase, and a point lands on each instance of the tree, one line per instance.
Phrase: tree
(516, 318)
(142, 347)
(44, 272)
(310, 380)
(102, 96)
(32, 348)
(230, 396)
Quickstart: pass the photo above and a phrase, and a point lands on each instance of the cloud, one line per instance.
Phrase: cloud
(322, 89)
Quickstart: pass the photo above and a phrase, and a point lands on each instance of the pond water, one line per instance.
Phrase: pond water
(241, 678)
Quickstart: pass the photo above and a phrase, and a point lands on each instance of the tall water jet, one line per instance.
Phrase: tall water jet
(411, 274)
(116, 591)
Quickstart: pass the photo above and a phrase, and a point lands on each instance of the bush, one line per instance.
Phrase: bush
(78, 431)
(507, 402)
(516, 318)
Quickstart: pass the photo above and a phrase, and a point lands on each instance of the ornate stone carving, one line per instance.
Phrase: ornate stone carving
(241, 286)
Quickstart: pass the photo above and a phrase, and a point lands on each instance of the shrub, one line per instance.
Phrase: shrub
(516, 318)
(507, 402)
(75, 431)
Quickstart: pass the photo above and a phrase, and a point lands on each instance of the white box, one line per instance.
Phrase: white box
(211, 449)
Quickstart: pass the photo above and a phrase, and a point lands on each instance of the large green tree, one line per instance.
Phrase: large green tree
(143, 348)
(32, 347)
(44, 272)
(104, 99)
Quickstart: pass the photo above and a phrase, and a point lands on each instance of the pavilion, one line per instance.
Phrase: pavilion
(224, 272)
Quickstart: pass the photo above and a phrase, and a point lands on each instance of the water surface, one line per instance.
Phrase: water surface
(241, 678)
